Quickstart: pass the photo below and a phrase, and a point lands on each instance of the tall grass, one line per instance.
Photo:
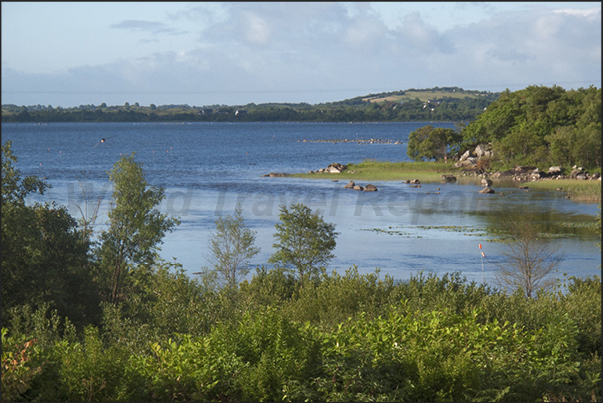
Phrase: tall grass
(586, 191)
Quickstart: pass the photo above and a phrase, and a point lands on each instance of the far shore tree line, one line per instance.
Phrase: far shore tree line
(444, 104)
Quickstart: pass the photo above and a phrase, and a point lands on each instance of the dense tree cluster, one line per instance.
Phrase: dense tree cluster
(542, 125)
(536, 126)
(433, 143)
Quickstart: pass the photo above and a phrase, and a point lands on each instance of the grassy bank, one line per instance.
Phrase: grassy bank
(370, 170)
(586, 191)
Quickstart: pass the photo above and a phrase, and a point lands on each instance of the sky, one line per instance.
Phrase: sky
(209, 53)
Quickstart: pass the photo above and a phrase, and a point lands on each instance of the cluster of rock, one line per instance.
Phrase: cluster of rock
(367, 188)
(469, 164)
(414, 183)
(525, 174)
(470, 157)
(334, 168)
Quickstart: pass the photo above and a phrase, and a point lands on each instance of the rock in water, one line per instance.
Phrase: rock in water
(448, 178)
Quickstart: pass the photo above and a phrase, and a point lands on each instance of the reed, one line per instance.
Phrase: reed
(585, 191)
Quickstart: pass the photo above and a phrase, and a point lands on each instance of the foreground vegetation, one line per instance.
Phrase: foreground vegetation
(103, 318)
(340, 338)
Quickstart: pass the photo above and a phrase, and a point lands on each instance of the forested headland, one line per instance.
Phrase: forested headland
(434, 104)
(538, 126)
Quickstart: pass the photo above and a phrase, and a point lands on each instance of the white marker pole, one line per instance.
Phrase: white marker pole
(483, 256)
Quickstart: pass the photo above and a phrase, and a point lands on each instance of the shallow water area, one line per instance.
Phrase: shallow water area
(208, 169)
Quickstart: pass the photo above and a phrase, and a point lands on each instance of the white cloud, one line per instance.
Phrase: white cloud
(145, 26)
(589, 13)
(308, 52)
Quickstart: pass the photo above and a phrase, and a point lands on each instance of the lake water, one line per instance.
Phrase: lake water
(208, 169)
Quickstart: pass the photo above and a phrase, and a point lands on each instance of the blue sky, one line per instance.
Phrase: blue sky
(67, 54)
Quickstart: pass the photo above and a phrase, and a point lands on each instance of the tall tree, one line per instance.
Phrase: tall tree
(432, 143)
(44, 256)
(304, 240)
(232, 245)
(529, 261)
(136, 227)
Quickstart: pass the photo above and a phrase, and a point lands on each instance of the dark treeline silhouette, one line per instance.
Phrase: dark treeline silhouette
(437, 104)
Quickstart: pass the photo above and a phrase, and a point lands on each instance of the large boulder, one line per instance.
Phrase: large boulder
(465, 155)
(487, 190)
(537, 174)
(557, 170)
(335, 168)
(350, 185)
(468, 163)
(483, 150)
(370, 188)
(358, 187)
(522, 170)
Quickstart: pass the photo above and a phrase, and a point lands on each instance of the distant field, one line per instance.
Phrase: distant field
(423, 96)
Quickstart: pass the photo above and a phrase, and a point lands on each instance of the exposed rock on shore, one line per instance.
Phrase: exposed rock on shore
(531, 174)
(469, 164)
(333, 168)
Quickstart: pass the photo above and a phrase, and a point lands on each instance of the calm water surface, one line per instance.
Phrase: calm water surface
(207, 169)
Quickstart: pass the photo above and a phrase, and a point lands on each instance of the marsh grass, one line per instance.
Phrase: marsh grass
(586, 191)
